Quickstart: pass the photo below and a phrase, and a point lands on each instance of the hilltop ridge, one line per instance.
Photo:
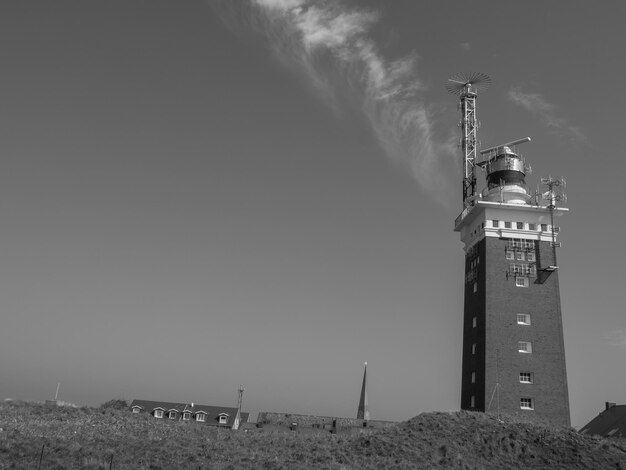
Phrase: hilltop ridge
(99, 438)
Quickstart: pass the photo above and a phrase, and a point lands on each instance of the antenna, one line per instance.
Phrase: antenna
(468, 86)
(555, 193)
(508, 144)
(240, 391)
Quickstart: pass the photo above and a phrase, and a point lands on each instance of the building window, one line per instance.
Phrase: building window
(544, 227)
(136, 409)
(474, 322)
(201, 417)
(521, 281)
(523, 319)
(520, 225)
(532, 226)
(524, 346)
(495, 223)
(510, 255)
(530, 257)
(526, 404)
(223, 419)
(474, 348)
(526, 377)
(186, 416)
(158, 413)
(507, 224)
(473, 402)
(475, 287)
(520, 256)
(473, 377)
(171, 414)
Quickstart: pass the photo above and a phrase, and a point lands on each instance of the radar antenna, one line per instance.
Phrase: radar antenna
(468, 86)
(555, 193)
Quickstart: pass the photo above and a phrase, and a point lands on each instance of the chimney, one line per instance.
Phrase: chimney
(608, 404)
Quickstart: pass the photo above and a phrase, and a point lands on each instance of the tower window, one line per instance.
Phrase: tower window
(510, 255)
(544, 227)
(523, 319)
(520, 256)
(525, 347)
(495, 223)
(526, 404)
(520, 225)
(521, 281)
(530, 257)
(475, 287)
(526, 377)
(532, 226)
(473, 377)
(507, 224)
(473, 402)
(474, 348)
(474, 322)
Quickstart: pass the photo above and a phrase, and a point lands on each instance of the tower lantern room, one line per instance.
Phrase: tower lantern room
(506, 175)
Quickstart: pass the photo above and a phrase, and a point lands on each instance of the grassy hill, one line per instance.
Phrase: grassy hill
(102, 438)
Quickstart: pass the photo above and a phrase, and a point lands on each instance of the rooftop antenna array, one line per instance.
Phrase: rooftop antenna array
(555, 193)
(467, 86)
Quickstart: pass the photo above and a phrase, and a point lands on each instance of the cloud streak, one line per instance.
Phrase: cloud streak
(331, 44)
(537, 105)
(617, 338)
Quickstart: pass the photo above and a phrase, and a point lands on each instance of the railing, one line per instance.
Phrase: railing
(461, 216)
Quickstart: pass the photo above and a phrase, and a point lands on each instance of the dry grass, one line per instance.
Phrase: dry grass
(88, 437)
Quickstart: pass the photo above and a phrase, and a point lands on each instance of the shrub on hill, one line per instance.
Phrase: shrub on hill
(116, 404)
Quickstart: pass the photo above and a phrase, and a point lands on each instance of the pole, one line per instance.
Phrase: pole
(41, 457)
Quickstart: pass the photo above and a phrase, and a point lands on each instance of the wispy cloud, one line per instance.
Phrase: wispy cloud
(616, 338)
(537, 105)
(466, 45)
(331, 43)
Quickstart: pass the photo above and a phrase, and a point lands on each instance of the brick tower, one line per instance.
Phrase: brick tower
(513, 352)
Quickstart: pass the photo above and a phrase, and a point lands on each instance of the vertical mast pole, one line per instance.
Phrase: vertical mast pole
(469, 143)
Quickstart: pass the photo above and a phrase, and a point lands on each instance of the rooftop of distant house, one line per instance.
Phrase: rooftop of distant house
(222, 416)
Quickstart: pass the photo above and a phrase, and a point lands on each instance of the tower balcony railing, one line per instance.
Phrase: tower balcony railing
(461, 216)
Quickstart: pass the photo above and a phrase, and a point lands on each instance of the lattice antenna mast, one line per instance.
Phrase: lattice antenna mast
(555, 193)
(468, 86)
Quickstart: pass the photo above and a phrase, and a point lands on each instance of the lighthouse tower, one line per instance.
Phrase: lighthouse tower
(513, 351)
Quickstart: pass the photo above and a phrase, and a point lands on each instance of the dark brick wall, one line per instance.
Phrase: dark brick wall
(496, 305)
(474, 306)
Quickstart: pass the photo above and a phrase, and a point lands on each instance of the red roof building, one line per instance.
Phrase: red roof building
(221, 416)
(609, 423)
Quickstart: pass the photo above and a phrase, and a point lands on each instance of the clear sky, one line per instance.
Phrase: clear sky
(200, 194)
